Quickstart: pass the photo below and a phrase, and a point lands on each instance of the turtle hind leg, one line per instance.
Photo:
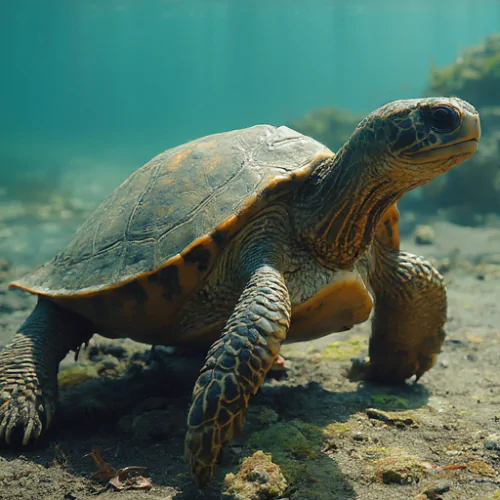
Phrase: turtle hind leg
(28, 370)
(235, 368)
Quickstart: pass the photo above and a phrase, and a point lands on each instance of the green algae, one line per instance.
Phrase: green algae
(390, 402)
(345, 350)
(297, 447)
(296, 438)
(337, 429)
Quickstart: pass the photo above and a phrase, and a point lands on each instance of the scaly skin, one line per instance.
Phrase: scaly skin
(28, 370)
(410, 313)
(237, 363)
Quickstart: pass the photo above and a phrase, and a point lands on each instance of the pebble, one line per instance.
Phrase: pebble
(492, 442)
(434, 491)
(358, 436)
(424, 235)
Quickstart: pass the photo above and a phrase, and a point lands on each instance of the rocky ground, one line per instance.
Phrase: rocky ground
(312, 433)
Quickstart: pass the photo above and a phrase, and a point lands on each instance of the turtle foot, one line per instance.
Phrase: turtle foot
(202, 453)
(24, 415)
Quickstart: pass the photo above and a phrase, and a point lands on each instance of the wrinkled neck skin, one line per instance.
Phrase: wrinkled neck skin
(340, 205)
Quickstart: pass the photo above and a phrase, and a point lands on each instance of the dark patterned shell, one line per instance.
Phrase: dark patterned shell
(185, 203)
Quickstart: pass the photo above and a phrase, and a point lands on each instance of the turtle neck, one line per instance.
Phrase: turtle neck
(340, 205)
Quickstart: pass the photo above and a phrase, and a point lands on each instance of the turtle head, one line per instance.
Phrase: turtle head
(398, 147)
(412, 141)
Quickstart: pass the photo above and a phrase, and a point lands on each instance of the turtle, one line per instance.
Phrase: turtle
(236, 242)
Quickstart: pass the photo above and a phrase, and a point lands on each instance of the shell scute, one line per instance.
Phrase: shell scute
(166, 224)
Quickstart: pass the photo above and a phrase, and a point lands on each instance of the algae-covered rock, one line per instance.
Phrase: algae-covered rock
(309, 469)
(397, 467)
(330, 126)
(258, 478)
(474, 76)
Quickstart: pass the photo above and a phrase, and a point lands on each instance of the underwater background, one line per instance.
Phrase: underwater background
(91, 90)
(123, 79)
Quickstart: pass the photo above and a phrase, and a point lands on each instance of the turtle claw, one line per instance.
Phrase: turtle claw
(21, 419)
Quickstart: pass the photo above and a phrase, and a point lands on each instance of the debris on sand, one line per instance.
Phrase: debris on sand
(126, 478)
(401, 420)
(258, 478)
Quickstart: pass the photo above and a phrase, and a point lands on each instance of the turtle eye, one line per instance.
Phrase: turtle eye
(442, 119)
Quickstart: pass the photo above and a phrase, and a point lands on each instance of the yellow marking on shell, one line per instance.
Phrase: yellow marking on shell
(167, 180)
(178, 160)
(332, 309)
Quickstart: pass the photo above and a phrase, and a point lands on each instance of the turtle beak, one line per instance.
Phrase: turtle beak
(465, 143)
(459, 146)
(471, 126)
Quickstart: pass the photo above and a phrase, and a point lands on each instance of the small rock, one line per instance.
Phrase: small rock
(258, 478)
(434, 491)
(399, 468)
(424, 235)
(492, 442)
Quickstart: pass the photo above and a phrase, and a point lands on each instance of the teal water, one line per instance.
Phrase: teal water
(118, 81)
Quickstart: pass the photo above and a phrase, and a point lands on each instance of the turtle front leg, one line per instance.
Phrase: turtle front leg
(28, 370)
(410, 313)
(235, 368)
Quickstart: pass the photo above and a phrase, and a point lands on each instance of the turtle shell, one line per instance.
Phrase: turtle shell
(168, 222)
